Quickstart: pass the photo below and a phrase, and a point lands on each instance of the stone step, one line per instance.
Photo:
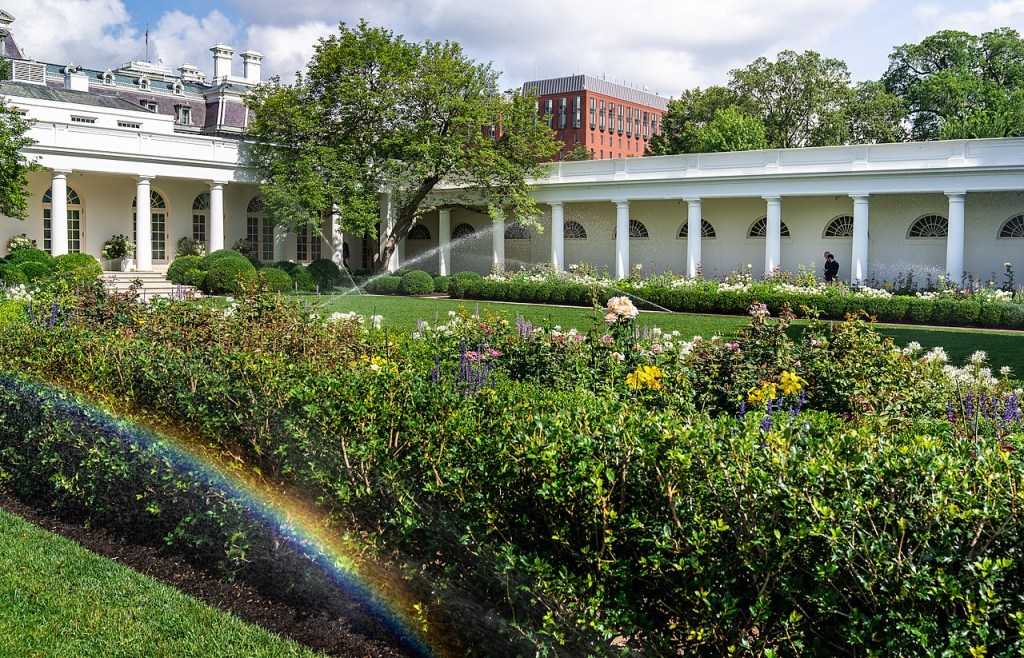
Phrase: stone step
(153, 284)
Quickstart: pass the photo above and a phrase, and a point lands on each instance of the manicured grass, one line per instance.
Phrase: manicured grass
(1005, 348)
(58, 599)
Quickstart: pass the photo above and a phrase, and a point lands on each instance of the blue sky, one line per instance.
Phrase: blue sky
(663, 45)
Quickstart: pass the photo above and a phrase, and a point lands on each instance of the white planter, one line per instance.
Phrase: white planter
(127, 265)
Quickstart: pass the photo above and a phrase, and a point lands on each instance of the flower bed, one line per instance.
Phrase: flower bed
(582, 490)
(985, 306)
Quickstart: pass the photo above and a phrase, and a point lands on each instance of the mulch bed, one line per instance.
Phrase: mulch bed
(352, 635)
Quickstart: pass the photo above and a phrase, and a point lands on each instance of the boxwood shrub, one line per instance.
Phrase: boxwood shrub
(384, 285)
(227, 275)
(180, 265)
(276, 279)
(416, 282)
(325, 273)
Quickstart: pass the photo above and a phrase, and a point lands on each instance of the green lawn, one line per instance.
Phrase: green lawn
(58, 599)
(401, 313)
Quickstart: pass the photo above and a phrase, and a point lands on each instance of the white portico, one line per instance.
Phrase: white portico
(934, 208)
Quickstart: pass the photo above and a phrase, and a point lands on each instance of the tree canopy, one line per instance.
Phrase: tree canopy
(957, 84)
(800, 99)
(375, 113)
(14, 165)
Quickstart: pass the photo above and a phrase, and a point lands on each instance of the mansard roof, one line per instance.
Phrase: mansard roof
(39, 92)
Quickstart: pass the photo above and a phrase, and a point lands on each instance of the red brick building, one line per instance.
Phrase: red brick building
(611, 120)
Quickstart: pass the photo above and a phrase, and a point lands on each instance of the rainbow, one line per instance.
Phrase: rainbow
(295, 520)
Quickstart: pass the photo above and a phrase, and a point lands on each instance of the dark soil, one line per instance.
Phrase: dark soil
(350, 635)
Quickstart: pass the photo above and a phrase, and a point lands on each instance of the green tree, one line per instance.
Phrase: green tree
(14, 165)
(578, 153)
(874, 115)
(975, 84)
(687, 116)
(732, 130)
(800, 98)
(376, 113)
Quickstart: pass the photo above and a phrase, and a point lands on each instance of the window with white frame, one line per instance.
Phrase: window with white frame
(1013, 227)
(759, 229)
(929, 226)
(707, 231)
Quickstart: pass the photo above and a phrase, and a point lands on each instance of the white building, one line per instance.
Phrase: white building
(106, 138)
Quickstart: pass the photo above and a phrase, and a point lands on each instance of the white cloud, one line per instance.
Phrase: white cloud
(997, 13)
(286, 49)
(183, 39)
(87, 32)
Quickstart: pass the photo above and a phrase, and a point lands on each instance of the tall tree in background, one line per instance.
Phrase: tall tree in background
(14, 165)
(956, 84)
(797, 100)
(800, 98)
(375, 113)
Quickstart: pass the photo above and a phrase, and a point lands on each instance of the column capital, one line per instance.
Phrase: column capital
(621, 203)
(692, 200)
(556, 204)
(956, 194)
(772, 198)
(216, 183)
(860, 197)
(61, 173)
(144, 178)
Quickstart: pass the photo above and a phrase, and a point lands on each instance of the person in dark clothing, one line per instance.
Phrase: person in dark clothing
(831, 268)
(344, 254)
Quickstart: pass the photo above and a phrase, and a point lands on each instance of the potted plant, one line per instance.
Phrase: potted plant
(119, 250)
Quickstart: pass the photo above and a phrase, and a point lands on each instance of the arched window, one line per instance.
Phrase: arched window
(636, 230)
(516, 231)
(462, 231)
(108, 78)
(144, 83)
(74, 221)
(929, 226)
(707, 231)
(200, 217)
(259, 232)
(573, 231)
(759, 229)
(840, 227)
(158, 224)
(418, 232)
(178, 88)
(1013, 227)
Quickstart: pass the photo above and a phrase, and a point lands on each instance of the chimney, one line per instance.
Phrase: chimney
(221, 61)
(190, 73)
(251, 65)
(74, 79)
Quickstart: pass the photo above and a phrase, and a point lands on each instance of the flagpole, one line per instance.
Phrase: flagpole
(147, 42)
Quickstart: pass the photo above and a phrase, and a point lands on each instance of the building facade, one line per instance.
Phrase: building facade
(610, 120)
(107, 138)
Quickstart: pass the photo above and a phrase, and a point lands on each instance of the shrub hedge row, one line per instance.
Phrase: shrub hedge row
(943, 311)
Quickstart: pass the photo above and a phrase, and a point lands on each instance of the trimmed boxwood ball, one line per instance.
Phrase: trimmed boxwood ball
(458, 282)
(302, 279)
(34, 270)
(30, 255)
(416, 282)
(77, 268)
(228, 276)
(11, 275)
(385, 285)
(286, 265)
(276, 279)
(194, 278)
(325, 273)
(222, 255)
(180, 265)
(441, 283)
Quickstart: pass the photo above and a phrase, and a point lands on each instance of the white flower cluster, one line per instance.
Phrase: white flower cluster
(970, 377)
(865, 291)
(733, 287)
(16, 292)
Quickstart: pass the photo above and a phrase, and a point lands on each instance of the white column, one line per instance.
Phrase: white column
(215, 241)
(498, 241)
(280, 242)
(859, 252)
(693, 237)
(621, 239)
(387, 225)
(143, 226)
(773, 235)
(444, 241)
(59, 213)
(557, 236)
(337, 237)
(955, 238)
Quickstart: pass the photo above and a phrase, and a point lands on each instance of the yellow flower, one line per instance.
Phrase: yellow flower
(645, 377)
(760, 395)
(792, 382)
